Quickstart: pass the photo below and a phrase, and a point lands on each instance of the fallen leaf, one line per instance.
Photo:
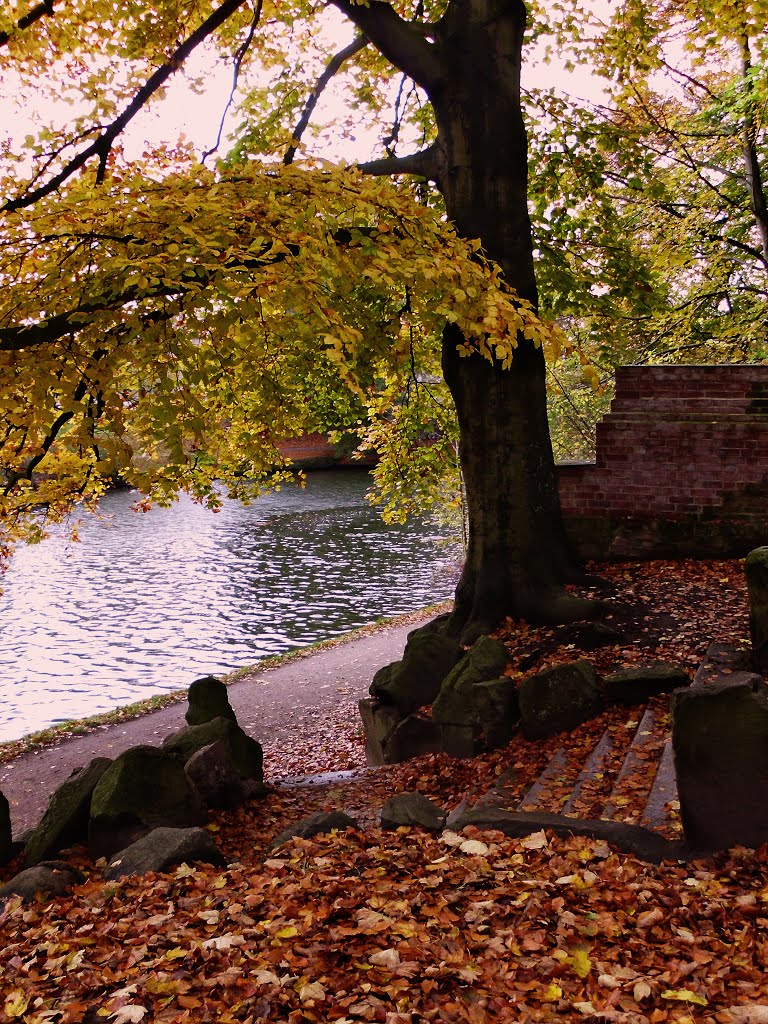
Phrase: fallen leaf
(388, 958)
(312, 990)
(580, 963)
(16, 1003)
(265, 978)
(683, 995)
(535, 841)
(650, 918)
(551, 994)
(474, 846)
(642, 990)
(130, 1014)
(756, 1014)
(608, 981)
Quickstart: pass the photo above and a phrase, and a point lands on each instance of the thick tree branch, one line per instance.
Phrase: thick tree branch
(424, 164)
(334, 64)
(41, 10)
(404, 45)
(752, 170)
(102, 145)
(53, 328)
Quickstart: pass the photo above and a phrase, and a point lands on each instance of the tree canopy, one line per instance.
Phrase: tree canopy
(168, 318)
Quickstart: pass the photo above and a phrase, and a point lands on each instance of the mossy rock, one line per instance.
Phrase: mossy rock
(558, 699)
(142, 789)
(245, 752)
(415, 681)
(208, 699)
(455, 703)
(66, 817)
(7, 848)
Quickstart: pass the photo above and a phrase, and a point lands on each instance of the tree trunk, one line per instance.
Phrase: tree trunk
(517, 557)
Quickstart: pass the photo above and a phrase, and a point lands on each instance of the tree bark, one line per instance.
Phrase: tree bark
(469, 64)
(517, 556)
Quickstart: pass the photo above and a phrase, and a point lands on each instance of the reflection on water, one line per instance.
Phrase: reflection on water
(148, 602)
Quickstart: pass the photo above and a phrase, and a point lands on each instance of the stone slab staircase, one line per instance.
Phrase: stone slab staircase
(623, 790)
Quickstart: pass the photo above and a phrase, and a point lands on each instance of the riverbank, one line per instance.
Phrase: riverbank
(301, 706)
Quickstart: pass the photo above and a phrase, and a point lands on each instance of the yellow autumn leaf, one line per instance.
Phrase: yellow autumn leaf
(551, 994)
(287, 932)
(161, 985)
(177, 953)
(580, 963)
(684, 995)
(16, 1003)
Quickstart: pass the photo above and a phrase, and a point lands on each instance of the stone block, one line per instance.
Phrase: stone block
(313, 825)
(245, 752)
(412, 809)
(637, 685)
(65, 820)
(720, 740)
(455, 705)
(164, 848)
(415, 681)
(143, 788)
(415, 736)
(460, 740)
(208, 699)
(558, 699)
(379, 720)
(756, 568)
(498, 710)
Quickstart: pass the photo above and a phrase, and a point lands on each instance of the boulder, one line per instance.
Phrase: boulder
(498, 710)
(314, 824)
(720, 741)
(637, 685)
(460, 740)
(245, 752)
(7, 847)
(379, 720)
(142, 789)
(455, 705)
(208, 699)
(412, 809)
(65, 821)
(217, 781)
(415, 736)
(415, 681)
(558, 699)
(49, 878)
(756, 568)
(164, 848)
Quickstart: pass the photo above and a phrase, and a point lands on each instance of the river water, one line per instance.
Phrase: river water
(146, 602)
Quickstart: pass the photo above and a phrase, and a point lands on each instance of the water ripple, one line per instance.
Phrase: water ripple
(147, 602)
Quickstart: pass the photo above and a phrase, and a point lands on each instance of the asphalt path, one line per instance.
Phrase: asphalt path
(273, 705)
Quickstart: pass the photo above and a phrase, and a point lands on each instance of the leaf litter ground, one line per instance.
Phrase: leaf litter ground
(401, 927)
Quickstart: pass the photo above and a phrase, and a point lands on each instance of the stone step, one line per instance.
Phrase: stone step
(538, 797)
(503, 793)
(657, 814)
(621, 779)
(593, 770)
(642, 756)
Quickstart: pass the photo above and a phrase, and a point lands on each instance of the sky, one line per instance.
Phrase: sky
(196, 116)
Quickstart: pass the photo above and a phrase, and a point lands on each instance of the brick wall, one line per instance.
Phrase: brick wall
(681, 466)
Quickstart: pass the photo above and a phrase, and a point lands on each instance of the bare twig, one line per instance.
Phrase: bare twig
(334, 64)
(237, 64)
(101, 146)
